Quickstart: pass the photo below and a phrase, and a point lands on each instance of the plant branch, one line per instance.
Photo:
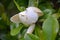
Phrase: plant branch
(33, 3)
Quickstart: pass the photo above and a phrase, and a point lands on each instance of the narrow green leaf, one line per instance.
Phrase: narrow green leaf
(18, 6)
(50, 28)
(39, 32)
(15, 31)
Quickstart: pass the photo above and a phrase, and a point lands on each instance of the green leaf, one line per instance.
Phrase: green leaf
(39, 32)
(32, 37)
(27, 37)
(48, 11)
(50, 28)
(20, 8)
(15, 31)
(56, 15)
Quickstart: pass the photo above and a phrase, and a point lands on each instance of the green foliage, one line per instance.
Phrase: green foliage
(31, 37)
(47, 29)
(39, 32)
(16, 30)
(50, 28)
(20, 8)
(33, 3)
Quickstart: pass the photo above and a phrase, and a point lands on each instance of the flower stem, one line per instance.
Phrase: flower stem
(33, 3)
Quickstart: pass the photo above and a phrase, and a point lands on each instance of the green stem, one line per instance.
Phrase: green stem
(33, 3)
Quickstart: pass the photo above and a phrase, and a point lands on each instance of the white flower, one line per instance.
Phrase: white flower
(15, 18)
(28, 17)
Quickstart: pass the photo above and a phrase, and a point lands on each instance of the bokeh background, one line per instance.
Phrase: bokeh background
(8, 9)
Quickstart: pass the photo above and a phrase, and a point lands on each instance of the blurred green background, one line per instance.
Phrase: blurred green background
(8, 9)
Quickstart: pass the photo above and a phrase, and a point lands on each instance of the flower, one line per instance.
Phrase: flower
(28, 17)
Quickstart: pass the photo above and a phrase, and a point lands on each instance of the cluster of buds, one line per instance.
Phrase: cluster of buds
(28, 17)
